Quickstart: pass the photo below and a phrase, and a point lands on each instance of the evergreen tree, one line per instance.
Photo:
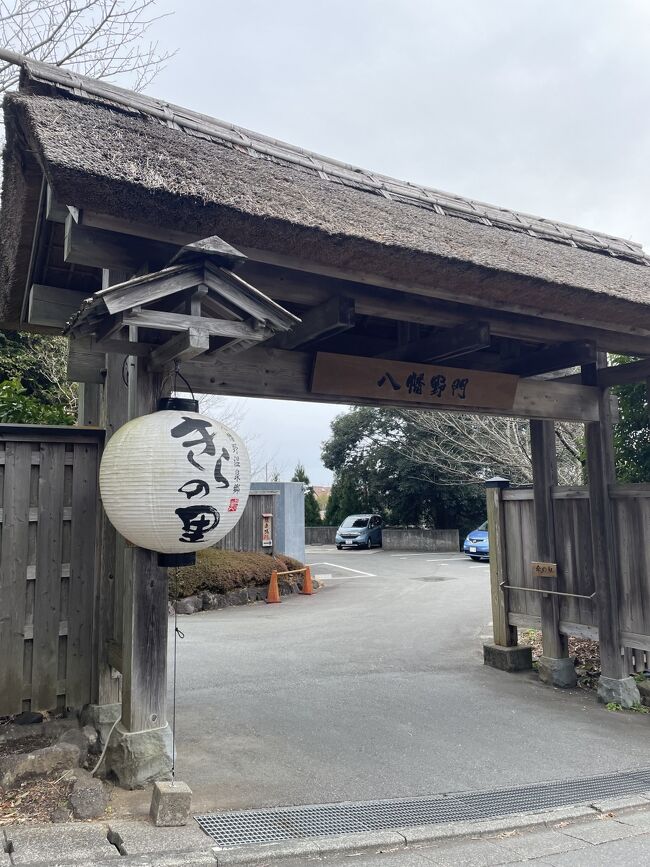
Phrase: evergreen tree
(312, 509)
(632, 433)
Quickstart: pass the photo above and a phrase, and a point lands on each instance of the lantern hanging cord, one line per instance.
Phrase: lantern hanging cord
(176, 376)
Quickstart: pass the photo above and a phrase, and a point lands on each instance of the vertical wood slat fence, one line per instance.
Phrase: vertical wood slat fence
(246, 535)
(578, 615)
(48, 506)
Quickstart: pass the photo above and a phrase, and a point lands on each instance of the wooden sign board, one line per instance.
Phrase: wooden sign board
(407, 382)
(543, 570)
(267, 530)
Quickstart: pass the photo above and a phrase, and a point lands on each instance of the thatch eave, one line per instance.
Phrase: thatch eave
(108, 159)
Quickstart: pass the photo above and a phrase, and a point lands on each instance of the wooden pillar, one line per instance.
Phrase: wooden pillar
(601, 473)
(544, 459)
(504, 634)
(89, 403)
(108, 596)
(144, 640)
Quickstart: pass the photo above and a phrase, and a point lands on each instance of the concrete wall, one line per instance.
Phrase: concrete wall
(320, 535)
(288, 517)
(417, 539)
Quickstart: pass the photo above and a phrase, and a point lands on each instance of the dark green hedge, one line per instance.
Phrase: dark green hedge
(219, 571)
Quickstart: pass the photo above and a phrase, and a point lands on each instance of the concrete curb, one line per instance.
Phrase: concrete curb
(370, 842)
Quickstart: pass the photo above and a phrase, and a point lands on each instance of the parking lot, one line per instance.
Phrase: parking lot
(375, 688)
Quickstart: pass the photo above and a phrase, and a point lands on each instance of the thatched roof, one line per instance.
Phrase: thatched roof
(111, 151)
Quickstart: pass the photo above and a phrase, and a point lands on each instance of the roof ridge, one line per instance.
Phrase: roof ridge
(259, 145)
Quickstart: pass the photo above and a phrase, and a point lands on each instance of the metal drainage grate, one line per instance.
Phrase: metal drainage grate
(315, 820)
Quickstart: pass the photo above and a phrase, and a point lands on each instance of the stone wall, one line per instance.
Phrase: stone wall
(207, 601)
(320, 535)
(418, 539)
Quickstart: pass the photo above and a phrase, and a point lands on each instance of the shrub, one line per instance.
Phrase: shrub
(218, 571)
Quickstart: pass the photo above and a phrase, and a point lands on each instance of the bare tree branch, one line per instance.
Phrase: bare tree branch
(458, 448)
(100, 38)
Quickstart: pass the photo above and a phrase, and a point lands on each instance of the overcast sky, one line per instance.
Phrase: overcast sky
(540, 106)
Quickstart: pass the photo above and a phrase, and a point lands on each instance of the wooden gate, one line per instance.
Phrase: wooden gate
(48, 507)
(572, 526)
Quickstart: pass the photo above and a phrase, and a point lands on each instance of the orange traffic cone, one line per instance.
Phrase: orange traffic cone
(307, 584)
(274, 592)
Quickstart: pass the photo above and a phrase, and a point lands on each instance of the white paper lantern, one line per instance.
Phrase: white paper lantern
(174, 481)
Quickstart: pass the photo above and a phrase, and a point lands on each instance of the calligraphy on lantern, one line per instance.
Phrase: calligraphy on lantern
(212, 466)
(402, 382)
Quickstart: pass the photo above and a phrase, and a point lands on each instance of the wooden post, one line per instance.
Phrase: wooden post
(601, 473)
(504, 634)
(109, 597)
(144, 642)
(615, 684)
(554, 666)
(544, 459)
(89, 403)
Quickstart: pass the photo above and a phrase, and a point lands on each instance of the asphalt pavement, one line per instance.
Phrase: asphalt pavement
(375, 688)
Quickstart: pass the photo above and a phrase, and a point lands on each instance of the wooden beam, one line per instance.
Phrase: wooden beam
(453, 288)
(298, 287)
(628, 341)
(51, 307)
(277, 373)
(454, 343)
(148, 288)
(182, 322)
(559, 357)
(327, 320)
(164, 234)
(182, 347)
(54, 211)
(617, 374)
(88, 246)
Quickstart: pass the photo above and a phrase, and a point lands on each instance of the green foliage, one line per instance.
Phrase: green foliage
(632, 433)
(219, 571)
(618, 708)
(312, 509)
(372, 474)
(33, 383)
(18, 407)
(345, 499)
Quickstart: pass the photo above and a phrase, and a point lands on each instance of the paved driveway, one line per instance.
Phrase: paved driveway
(375, 688)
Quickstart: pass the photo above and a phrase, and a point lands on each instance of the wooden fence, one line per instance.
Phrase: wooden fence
(48, 505)
(578, 613)
(246, 535)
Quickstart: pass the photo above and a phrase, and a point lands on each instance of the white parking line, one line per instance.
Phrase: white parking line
(345, 568)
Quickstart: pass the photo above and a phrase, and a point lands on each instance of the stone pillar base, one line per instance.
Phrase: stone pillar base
(517, 658)
(622, 691)
(557, 672)
(139, 758)
(101, 717)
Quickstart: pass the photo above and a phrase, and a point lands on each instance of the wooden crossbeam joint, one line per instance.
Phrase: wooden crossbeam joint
(326, 320)
(558, 357)
(453, 343)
